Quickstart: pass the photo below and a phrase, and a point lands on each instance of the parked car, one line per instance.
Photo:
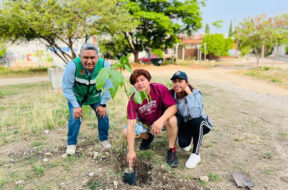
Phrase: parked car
(151, 59)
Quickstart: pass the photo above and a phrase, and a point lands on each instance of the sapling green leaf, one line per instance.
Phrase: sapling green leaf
(102, 77)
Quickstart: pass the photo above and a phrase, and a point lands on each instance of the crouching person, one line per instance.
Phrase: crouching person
(193, 122)
(79, 89)
(146, 120)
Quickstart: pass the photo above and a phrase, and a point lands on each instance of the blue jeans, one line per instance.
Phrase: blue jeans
(74, 125)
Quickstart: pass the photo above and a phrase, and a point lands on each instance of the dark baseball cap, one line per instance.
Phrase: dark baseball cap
(179, 74)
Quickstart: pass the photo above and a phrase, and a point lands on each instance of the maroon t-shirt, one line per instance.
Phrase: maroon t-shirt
(148, 112)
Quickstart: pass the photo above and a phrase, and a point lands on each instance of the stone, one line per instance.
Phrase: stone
(91, 174)
(48, 154)
(45, 160)
(19, 182)
(204, 178)
(115, 184)
(46, 131)
(95, 155)
(63, 186)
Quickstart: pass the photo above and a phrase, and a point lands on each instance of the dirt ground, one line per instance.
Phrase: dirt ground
(250, 134)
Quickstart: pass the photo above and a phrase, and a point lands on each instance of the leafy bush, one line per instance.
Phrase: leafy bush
(216, 45)
(245, 50)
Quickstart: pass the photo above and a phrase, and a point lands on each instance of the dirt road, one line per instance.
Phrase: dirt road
(251, 123)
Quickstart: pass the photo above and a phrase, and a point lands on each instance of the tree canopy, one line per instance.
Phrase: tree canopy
(57, 22)
(159, 22)
(261, 33)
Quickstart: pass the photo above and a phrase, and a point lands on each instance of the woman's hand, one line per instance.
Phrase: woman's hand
(187, 89)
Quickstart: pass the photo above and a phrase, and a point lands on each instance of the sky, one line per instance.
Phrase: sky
(237, 10)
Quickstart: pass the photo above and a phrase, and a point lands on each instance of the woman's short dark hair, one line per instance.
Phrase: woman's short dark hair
(136, 73)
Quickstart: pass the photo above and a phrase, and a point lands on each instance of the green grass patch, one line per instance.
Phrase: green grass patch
(38, 170)
(275, 75)
(146, 154)
(6, 91)
(213, 177)
(8, 72)
(268, 155)
(36, 143)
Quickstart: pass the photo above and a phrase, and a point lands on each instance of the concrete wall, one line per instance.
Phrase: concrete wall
(35, 54)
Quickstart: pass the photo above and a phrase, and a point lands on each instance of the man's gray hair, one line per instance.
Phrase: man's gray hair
(88, 46)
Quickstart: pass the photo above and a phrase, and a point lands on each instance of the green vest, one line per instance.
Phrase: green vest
(85, 87)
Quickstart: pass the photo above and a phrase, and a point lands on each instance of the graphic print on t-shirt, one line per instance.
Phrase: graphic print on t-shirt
(148, 108)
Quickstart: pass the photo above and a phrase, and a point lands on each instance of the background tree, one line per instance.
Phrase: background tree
(116, 46)
(216, 45)
(57, 22)
(217, 23)
(279, 33)
(207, 29)
(158, 25)
(230, 30)
(261, 34)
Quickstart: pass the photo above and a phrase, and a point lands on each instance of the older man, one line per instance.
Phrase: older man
(79, 88)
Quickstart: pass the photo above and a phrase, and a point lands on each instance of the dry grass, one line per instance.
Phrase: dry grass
(239, 140)
(29, 109)
(277, 76)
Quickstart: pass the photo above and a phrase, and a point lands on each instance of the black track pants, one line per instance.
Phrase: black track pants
(194, 128)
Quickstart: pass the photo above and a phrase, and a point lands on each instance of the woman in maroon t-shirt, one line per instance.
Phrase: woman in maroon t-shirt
(148, 119)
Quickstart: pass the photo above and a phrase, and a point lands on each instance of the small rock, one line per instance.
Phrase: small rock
(49, 154)
(91, 174)
(95, 155)
(107, 153)
(64, 155)
(19, 182)
(85, 181)
(83, 140)
(100, 170)
(204, 178)
(115, 184)
(182, 188)
(45, 160)
(63, 186)
(46, 131)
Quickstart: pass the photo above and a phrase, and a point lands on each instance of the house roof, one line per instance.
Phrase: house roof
(194, 39)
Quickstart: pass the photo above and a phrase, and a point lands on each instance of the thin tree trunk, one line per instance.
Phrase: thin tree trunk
(262, 55)
(275, 56)
(136, 54)
(257, 57)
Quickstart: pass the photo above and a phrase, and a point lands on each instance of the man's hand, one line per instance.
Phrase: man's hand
(77, 112)
(101, 111)
(131, 157)
(156, 127)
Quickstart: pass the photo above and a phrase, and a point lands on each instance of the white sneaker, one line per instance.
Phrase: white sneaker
(105, 144)
(71, 149)
(193, 161)
(187, 148)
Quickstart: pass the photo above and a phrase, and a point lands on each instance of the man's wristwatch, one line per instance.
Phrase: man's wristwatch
(103, 105)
